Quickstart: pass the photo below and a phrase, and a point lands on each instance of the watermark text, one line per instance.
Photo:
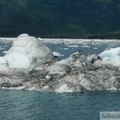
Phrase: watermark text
(109, 115)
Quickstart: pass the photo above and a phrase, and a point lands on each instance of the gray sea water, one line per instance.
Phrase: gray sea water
(35, 105)
(31, 105)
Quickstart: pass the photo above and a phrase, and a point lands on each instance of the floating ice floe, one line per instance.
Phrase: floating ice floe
(78, 73)
(57, 54)
(4, 52)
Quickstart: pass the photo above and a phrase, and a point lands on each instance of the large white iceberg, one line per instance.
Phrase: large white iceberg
(27, 52)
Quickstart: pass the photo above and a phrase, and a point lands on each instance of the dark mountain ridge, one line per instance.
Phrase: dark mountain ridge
(61, 18)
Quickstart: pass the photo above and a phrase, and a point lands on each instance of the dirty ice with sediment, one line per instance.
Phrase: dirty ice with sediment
(60, 65)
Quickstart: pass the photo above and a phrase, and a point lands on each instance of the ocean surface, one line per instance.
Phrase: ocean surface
(34, 105)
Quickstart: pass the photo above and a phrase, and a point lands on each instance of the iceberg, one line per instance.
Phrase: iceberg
(111, 56)
(108, 53)
(27, 52)
(78, 73)
(57, 54)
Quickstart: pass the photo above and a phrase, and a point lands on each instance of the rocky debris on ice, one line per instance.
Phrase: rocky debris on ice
(78, 73)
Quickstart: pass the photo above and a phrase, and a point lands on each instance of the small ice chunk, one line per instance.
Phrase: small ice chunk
(48, 77)
(39, 69)
(57, 54)
(5, 52)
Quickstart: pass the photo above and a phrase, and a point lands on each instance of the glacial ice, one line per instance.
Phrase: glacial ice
(18, 60)
(78, 73)
(64, 88)
(112, 56)
(57, 54)
(58, 68)
(3, 65)
(3, 61)
(27, 52)
(110, 52)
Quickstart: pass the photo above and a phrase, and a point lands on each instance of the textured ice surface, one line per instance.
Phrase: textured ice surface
(112, 56)
(27, 52)
(76, 73)
(110, 52)
(57, 54)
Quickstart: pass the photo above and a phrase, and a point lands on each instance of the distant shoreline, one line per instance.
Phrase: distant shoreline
(107, 36)
(55, 39)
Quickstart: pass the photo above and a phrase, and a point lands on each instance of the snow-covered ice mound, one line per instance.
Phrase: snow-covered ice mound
(111, 56)
(27, 52)
(110, 52)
